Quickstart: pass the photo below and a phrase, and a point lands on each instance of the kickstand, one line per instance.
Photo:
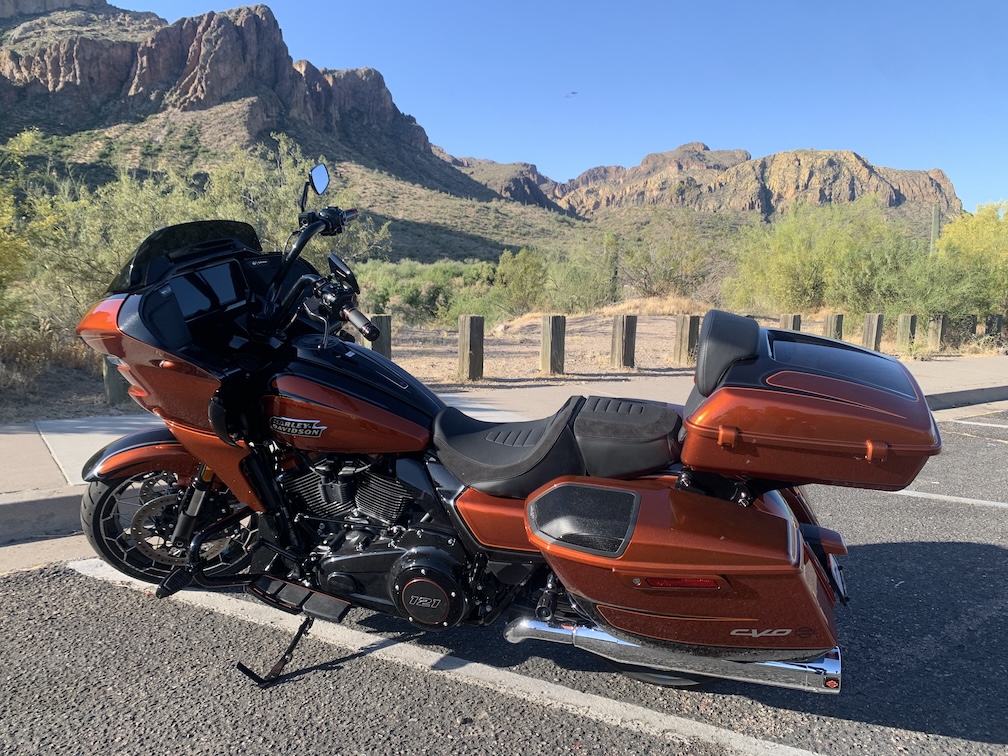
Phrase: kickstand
(272, 677)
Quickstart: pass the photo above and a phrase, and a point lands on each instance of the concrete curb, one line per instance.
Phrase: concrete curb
(952, 399)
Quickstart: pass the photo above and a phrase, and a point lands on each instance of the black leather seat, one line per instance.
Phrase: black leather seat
(598, 436)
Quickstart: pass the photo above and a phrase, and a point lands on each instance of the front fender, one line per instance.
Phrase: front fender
(140, 452)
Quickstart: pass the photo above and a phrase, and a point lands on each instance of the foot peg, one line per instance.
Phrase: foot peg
(174, 582)
(272, 677)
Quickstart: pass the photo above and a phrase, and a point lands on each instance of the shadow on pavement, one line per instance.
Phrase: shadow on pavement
(925, 641)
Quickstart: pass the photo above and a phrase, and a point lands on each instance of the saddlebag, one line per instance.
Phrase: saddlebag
(647, 560)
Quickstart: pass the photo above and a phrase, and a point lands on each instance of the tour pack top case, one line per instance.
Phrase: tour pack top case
(784, 405)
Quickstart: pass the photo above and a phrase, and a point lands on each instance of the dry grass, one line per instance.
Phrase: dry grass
(25, 356)
(656, 306)
(42, 376)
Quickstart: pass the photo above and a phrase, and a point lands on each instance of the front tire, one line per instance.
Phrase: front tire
(129, 522)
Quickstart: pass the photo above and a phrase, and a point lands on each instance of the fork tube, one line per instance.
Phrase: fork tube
(186, 522)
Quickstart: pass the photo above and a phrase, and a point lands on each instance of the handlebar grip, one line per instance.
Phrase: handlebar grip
(360, 321)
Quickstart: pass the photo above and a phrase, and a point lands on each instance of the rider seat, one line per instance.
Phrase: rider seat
(597, 436)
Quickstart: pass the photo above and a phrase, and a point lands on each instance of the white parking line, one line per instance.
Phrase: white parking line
(974, 422)
(955, 499)
(605, 710)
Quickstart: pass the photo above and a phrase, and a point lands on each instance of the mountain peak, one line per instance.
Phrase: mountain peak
(75, 65)
(114, 67)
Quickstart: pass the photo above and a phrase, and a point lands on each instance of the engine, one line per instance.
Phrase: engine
(332, 488)
(383, 539)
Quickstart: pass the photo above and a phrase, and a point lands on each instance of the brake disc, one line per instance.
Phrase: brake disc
(151, 531)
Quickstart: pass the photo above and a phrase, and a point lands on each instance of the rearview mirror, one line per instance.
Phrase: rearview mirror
(319, 178)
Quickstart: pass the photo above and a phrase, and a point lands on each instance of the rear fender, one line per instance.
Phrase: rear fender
(140, 452)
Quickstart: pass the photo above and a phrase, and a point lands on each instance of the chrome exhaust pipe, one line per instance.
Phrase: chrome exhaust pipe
(821, 675)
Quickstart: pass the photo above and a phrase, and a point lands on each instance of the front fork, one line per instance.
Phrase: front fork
(185, 525)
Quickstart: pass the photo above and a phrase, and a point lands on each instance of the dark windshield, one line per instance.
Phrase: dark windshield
(171, 245)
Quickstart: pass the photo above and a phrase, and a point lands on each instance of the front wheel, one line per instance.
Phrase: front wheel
(129, 522)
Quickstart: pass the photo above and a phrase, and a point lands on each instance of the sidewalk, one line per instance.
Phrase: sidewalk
(40, 463)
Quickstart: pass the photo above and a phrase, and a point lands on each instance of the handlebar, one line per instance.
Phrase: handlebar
(360, 321)
(334, 219)
(328, 221)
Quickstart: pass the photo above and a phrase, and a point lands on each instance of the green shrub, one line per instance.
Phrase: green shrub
(521, 279)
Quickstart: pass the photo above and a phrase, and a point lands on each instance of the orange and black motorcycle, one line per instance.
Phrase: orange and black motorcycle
(673, 541)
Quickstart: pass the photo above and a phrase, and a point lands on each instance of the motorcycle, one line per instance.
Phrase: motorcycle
(673, 541)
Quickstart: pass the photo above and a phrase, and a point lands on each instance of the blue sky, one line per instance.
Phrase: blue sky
(915, 85)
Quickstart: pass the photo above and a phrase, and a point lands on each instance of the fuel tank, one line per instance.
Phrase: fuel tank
(340, 397)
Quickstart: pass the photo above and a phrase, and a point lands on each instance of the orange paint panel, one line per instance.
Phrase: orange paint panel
(180, 395)
(99, 328)
(497, 523)
(804, 438)
(148, 459)
(344, 423)
(684, 531)
(162, 383)
(223, 459)
(784, 615)
(764, 577)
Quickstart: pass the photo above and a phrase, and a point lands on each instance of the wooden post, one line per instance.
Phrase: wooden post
(906, 332)
(686, 337)
(993, 325)
(833, 326)
(936, 332)
(551, 354)
(624, 341)
(116, 385)
(790, 322)
(470, 347)
(383, 344)
(872, 338)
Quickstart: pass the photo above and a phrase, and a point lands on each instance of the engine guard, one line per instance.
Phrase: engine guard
(143, 451)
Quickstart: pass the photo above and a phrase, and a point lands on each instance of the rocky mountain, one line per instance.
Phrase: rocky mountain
(520, 182)
(696, 177)
(78, 65)
(85, 64)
